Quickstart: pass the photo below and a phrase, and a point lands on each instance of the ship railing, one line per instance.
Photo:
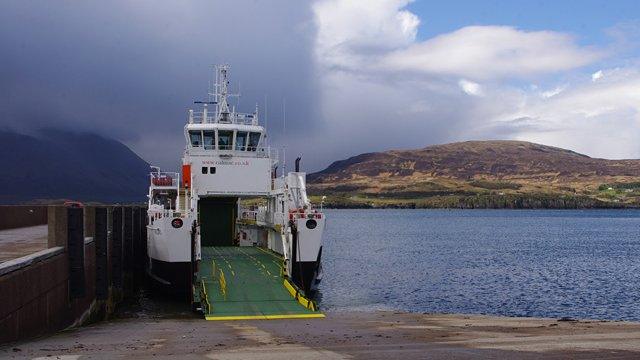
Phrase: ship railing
(245, 119)
(200, 117)
(273, 154)
(253, 216)
(260, 217)
(267, 152)
(305, 214)
(260, 152)
(278, 218)
(248, 215)
(161, 178)
(157, 215)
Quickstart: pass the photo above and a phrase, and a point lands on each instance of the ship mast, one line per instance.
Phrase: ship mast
(221, 94)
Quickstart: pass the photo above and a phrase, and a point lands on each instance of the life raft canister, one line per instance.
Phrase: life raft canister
(296, 214)
(163, 180)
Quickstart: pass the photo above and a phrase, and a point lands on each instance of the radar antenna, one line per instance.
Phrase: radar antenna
(221, 93)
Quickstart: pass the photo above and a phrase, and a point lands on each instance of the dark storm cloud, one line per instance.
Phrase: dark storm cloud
(131, 69)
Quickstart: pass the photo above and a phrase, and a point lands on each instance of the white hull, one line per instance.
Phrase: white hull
(167, 243)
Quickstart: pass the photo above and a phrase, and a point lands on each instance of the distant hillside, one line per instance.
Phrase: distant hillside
(65, 165)
(485, 174)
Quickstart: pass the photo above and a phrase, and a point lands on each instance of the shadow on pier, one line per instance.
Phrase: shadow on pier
(147, 302)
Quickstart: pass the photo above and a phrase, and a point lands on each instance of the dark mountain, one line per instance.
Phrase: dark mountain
(56, 164)
(454, 173)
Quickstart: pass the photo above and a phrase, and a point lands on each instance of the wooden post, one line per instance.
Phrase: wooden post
(116, 254)
(127, 256)
(89, 221)
(57, 226)
(100, 238)
(138, 251)
(143, 225)
(75, 248)
(137, 240)
(127, 244)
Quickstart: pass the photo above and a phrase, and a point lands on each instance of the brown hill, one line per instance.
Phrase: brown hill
(480, 174)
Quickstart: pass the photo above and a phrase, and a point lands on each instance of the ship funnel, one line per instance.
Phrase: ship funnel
(298, 163)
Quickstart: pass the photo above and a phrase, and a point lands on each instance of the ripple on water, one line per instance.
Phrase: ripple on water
(542, 263)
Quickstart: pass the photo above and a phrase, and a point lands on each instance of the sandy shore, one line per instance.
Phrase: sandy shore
(378, 335)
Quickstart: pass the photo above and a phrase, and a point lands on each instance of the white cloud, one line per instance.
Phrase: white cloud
(349, 31)
(470, 87)
(553, 92)
(394, 91)
(596, 118)
(596, 75)
(492, 52)
(365, 35)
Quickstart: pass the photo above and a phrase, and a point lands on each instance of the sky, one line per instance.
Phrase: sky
(356, 76)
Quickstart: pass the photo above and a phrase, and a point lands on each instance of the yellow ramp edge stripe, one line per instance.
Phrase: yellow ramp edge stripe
(264, 317)
(301, 299)
(268, 252)
(206, 298)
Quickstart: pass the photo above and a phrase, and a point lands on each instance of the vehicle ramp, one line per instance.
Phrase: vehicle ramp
(243, 283)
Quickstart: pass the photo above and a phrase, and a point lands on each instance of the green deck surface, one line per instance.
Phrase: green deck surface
(254, 285)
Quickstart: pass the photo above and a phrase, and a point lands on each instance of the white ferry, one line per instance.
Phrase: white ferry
(201, 237)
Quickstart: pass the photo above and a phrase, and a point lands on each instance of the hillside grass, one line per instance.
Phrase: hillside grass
(485, 194)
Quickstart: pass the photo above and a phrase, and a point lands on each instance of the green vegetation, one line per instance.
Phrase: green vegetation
(480, 201)
(484, 194)
(626, 193)
(494, 185)
(620, 186)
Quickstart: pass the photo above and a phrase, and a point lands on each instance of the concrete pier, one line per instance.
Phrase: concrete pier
(15, 243)
(55, 273)
(378, 335)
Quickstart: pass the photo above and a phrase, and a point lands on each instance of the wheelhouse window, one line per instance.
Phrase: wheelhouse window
(254, 140)
(241, 140)
(196, 138)
(224, 140)
(209, 138)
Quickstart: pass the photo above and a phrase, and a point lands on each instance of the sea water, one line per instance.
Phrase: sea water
(541, 263)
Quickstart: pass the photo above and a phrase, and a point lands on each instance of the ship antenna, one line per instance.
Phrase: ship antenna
(284, 131)
(266, 120)
(213, 87)
(239, 95)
